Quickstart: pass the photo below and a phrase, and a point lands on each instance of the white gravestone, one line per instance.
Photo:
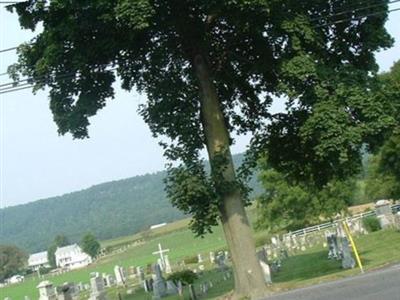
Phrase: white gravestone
(119, 275)
(199, 258)
(168, 268)
(46, 291)
(212, 257)
(266, 271)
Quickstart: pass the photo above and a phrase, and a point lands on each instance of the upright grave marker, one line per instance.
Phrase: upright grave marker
(161, 252)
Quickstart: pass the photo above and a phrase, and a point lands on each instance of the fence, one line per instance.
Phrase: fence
(304, 231)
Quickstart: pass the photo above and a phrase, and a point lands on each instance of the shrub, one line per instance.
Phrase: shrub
(371, 224)
(186, 277)
(190, 260)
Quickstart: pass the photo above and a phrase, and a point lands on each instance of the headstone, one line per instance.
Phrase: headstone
(397, 220)
(384, 214)
(226, 255)
(172, 289)
(159, 286)
(192, 292)
(333, 246)
(46, 291)
(140, 271)
(119, 275)
(80, 286)
(109, 280)
(147, 285)
(204, 288)
(180, 288)
(97, 289)
(161, 263)
(220, 260)
(262, 255)
(212, 257)
(266, 271)
(68, 291)
(161, 260)
(347, 260)
(168, 268)
(199, 258)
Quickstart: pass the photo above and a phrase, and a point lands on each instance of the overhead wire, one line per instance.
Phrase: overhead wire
(16, 85)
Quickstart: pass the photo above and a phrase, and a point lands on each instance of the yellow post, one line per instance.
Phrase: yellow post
(353, 245)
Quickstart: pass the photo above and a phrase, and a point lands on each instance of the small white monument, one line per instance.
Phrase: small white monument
(46, 291)
(168, 268)
(119, 275)
(266, 271)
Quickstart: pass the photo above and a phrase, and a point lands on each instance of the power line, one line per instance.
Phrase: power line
(15, 85)
(8, 49)
(27, 85)
(352, 10)
(348, 10)
(358, 18)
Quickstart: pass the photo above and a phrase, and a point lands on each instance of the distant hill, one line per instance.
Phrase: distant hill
(107, 210)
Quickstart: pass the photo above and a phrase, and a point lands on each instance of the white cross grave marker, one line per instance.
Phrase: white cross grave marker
(161, 252)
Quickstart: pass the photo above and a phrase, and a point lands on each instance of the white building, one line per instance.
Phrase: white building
(15, 279)
(71, 257)
(38, 260)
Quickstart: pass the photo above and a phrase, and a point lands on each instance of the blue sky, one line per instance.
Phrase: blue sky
(35, 162)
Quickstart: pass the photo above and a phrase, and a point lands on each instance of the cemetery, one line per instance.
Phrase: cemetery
(154, 269)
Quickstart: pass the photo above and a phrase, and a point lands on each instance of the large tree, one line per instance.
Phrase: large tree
(12, 261)
(90, 245)
(383, 180)
(59, 241)
(211, 68)
(287, 205)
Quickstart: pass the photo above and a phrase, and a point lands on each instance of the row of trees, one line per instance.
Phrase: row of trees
(211, 69)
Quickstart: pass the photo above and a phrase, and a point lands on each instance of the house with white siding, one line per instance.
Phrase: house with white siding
(38, 260)
(71, 257)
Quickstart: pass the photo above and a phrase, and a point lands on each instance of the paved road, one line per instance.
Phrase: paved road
(378, 285)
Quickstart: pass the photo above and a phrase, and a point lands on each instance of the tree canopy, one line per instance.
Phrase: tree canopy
(213, 68)
(285, 205)
(90, 245)
(12, 261)
(317, 56)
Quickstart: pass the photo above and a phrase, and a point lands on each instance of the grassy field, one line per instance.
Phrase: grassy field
(312, 266)
(180, 242)
(304, 268)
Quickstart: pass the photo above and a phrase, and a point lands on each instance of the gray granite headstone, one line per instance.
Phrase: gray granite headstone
(220, 260)
(97, 289)
(159, 286)
(172, 289)
(347, 260)
(333, 247)
(67, 291)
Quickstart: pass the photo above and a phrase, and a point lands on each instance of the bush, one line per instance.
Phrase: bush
(190, 260)
(186, 277)
(371, 224)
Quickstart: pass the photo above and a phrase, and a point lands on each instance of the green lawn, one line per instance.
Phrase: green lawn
(304, 268)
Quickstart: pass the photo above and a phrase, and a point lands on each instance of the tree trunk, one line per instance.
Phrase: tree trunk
(249, 279)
